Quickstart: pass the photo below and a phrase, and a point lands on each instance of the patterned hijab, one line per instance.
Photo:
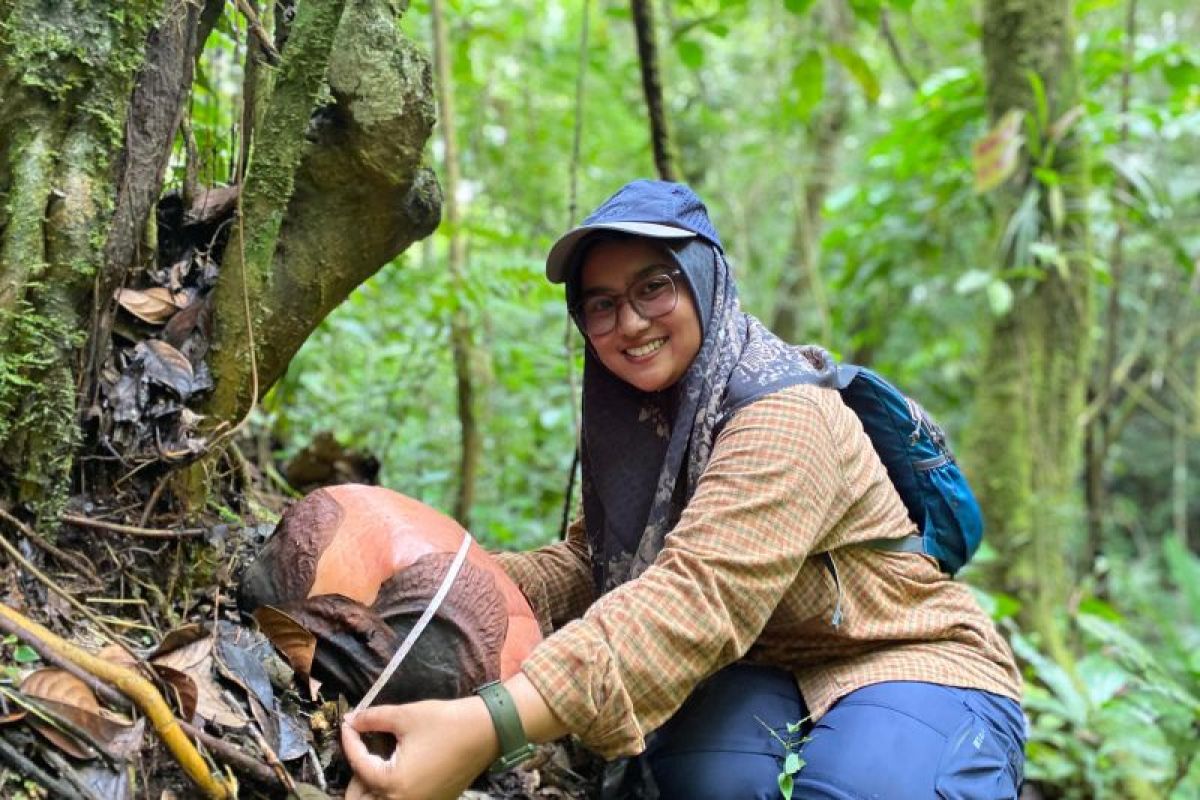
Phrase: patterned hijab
(643, 452)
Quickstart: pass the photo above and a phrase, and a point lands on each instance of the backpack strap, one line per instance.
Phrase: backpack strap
(913, 543)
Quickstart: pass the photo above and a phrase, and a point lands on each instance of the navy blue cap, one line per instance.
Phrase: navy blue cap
(656, 209)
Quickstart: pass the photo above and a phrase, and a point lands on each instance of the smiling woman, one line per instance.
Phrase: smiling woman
(638, 323)
(722, 602)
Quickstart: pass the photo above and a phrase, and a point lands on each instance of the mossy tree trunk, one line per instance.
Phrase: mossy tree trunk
(1025, 449)
(93, 95)
(802, 312)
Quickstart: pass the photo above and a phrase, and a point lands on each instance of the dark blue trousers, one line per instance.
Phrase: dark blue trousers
(895, 741)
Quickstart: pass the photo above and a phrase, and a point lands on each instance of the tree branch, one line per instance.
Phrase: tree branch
(660, 137)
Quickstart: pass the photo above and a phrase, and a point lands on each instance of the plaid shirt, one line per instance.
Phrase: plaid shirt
(791, 476)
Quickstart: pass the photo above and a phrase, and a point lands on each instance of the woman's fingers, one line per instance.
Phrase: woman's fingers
(389, 719)
(371, 770)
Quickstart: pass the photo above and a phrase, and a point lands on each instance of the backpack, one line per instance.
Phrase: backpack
(919, 463)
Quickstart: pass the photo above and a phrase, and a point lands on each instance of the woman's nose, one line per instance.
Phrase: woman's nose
(629, 321)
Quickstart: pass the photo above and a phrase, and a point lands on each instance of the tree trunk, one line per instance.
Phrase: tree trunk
(660, 136)
(1026, 444)
(465, 352)
(802, 312)
(93, 98)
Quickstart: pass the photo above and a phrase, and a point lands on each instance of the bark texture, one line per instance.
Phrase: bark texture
(660, 136)
(93, 95)
(466, 354)
(1026, 444)
(341, 198)
(67, 75)
(802, 313)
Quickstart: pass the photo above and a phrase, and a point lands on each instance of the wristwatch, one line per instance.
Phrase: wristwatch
(514, 747)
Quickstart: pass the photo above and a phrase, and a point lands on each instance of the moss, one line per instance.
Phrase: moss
(86, 50)
(38, 424)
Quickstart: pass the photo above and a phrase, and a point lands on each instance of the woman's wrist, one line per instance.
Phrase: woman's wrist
(484, 743)
(537, 718)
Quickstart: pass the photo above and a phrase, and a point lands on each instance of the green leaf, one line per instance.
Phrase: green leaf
(797, 6)
(1041, 107)
(1057, 205)
(972, 281)
(807, 84)
(867, 10)
(690, 53)
(858, 69)
(792, 763)
(1103, 678)
(785, 785)
(1097, 607)
(1000, 297)
(24, 654)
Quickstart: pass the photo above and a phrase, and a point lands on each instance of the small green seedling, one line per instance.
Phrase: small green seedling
(792, 762)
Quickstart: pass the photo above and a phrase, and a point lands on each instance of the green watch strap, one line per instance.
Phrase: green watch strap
(514, 747)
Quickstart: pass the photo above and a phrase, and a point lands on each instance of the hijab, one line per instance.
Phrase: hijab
(643, 452)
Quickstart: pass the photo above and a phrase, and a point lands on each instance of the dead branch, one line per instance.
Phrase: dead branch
(132, 530)
(102, 690)
(260, 33)
(10, 754)
(227, 753)
(144, 695)
(50, 584)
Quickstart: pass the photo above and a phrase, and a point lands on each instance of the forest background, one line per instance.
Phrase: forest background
(996, 205)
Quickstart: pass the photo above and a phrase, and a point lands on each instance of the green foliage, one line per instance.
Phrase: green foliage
(1123, 721)
(915, 262)
(792, 762)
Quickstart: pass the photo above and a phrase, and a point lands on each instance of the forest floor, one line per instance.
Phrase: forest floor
(154, 595)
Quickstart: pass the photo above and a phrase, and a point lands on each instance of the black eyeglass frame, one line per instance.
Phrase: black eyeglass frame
(670, 273)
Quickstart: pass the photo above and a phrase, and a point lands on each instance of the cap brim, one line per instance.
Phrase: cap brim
(560, 254)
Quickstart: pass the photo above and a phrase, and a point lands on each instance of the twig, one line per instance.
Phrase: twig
(15, 554)
(885, 27)
(149, 509)
(71, 776)
(268, 752)
(260, 33)
(82, 566)
(147, 698)
(133, 530)
(232, 756)
(102, 690)
(25, 767)
(318, 770)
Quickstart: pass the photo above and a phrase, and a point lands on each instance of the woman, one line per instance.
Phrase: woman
(717, 587)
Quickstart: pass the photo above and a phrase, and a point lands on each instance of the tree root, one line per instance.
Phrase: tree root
(144, 695)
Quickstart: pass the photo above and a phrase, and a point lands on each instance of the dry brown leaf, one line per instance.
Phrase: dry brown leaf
(52, 683)
(115, 654)
(154, 305)
(195, 660)
(296, 642)
(118, 738)
(168, 366)
(187, 694)
(177, 638)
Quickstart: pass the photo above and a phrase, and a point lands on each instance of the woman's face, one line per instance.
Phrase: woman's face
(649, 354)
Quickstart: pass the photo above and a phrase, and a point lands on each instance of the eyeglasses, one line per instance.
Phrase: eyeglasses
(652, 296)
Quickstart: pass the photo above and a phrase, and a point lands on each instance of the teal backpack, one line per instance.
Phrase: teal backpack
(919, 463)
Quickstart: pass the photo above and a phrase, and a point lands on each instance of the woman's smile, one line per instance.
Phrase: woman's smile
(648, 354)
(644, 352)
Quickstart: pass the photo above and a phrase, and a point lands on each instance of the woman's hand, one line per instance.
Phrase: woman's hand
(441, 746)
